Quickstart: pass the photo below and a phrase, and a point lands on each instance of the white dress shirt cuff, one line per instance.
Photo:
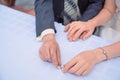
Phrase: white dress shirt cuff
(45, 32)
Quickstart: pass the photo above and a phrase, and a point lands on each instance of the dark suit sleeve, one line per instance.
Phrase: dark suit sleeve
(44, 15)
(92, 10)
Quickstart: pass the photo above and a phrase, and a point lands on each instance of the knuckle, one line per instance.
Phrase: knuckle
(45, 45)
(54, 47)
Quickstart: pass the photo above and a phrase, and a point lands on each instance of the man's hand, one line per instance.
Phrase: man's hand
(84, 62)
(79, 29)
(50, 50)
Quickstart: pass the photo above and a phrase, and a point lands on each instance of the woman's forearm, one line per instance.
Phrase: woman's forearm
(105, 14)
(112, 50)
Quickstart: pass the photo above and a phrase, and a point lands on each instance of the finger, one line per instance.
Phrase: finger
(58, 56)
(70, 32)
(54, 56)
(81, 70)
(87, 35)
(48, 55)
(76, 35)
(80, 32)
(75, 68)
(83, 34)
(73, 31)
(41, 54)
(69, 65)
(72, 25)
(67, 27)
(87, 71)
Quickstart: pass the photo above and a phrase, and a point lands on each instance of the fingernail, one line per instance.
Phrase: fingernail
(49, 60)
(84, 38)
(71, 39)
(74, 39)
(56, 66)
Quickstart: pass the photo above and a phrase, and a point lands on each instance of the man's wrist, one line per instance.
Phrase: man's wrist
(45, 32)
(48, 37)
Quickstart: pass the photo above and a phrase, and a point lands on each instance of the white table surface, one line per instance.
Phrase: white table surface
(19, 58)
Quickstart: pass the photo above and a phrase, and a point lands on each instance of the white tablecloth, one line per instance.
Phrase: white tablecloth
(19, 58)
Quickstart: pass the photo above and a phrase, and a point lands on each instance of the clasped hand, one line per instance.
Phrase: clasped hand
(83, 62)
(79, 30)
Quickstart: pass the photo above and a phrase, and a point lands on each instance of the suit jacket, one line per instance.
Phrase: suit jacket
(48, 11)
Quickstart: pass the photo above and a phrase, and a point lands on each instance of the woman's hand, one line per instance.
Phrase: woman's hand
(79, 29)
(84, 62)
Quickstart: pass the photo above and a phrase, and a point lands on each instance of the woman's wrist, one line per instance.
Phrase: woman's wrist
(100, 56)
(93, 23)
